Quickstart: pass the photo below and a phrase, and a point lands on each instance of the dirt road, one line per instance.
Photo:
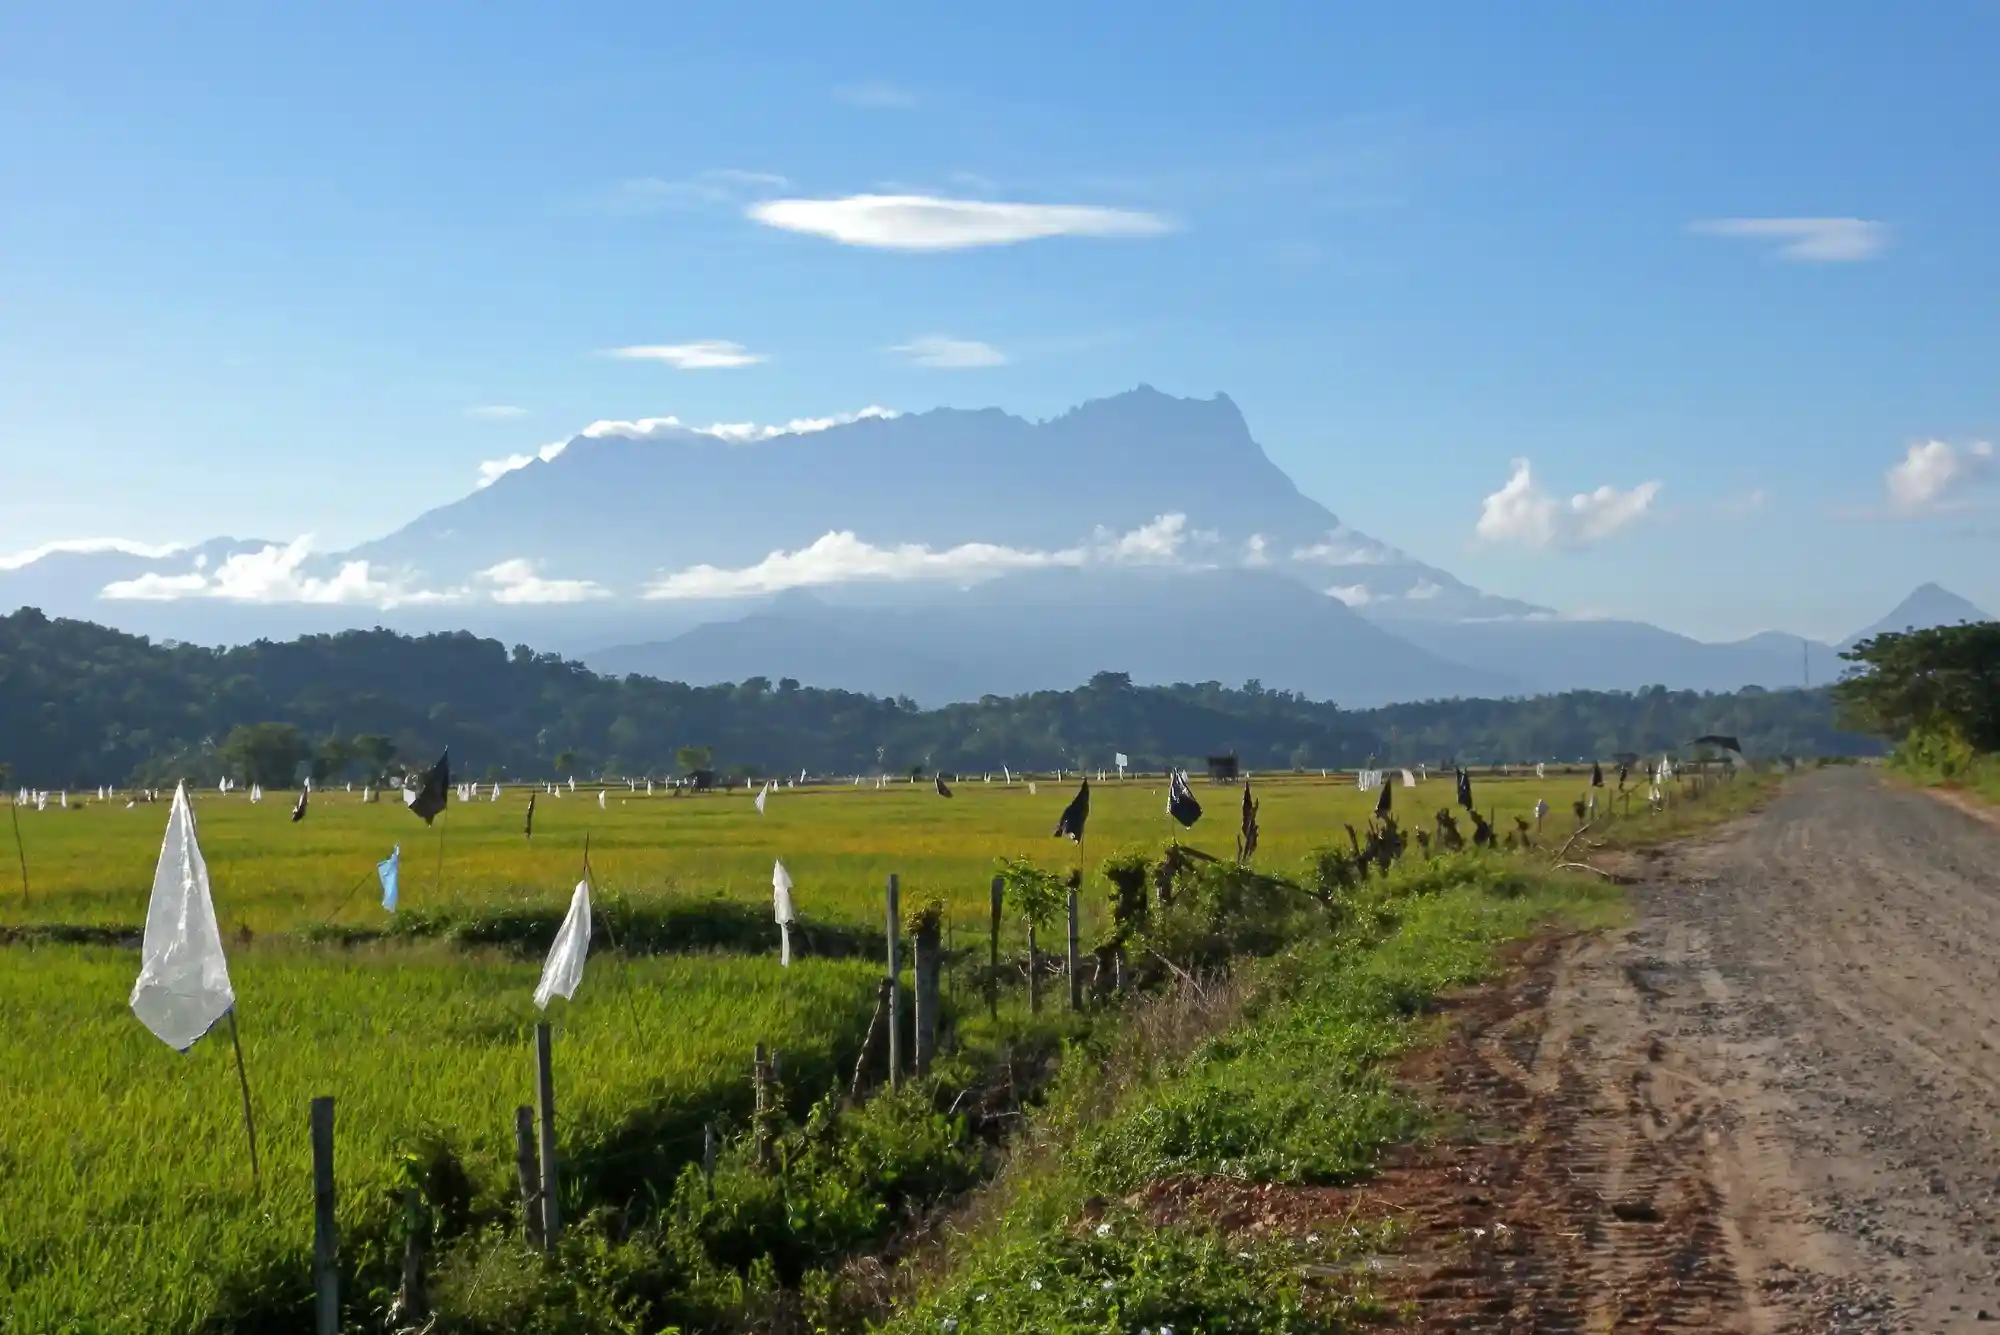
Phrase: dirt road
(1772, 1104)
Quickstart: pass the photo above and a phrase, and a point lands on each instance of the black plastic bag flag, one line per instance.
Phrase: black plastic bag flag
(429, 798)
(528, 830)
(1596, 775)
(1075, 814)
(943, 789)
(1624, 773)
(1246, 838)
(1383, 803)
(1180, 801)
(299, 809)
(1465, 790)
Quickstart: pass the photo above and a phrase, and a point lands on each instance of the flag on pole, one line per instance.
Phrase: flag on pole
(429, 798)
(1075, 814)
(1382, 803)
(943, 789)
(1596, 775)
(1465, 790)
(1538, 770)
(781, 906)
(762, 793)
(1409, 779)
(564, 969)
(183, 986)
(496, 794)
(600, 799)
(299, 808)
(1181, 804)
(389, 870)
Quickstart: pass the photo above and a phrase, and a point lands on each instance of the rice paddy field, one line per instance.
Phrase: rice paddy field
(126, 1195)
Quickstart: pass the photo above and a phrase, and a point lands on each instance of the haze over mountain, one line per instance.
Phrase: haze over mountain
(943, 555)
(1927, 606)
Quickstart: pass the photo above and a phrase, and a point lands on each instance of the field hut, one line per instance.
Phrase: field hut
(701, 780)
(1223, 769)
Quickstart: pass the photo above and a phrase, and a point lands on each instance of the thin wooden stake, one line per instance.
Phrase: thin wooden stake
(760, 1116)
(1034, 974)
(895, 984)
(1075, 977)
(993, 963)
(545, 1099)
(249, 1120)
(527, 1166)
(326, 1238)
(21, 850)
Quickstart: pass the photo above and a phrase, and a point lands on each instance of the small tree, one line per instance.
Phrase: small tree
(267, 754)
(692, 758)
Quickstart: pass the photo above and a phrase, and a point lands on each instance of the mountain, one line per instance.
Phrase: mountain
(942, 555)
(1140, 478)
(1928, 605)
(1563, 655)
(1044, 630)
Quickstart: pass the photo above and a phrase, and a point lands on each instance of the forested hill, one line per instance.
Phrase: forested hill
(81, 705)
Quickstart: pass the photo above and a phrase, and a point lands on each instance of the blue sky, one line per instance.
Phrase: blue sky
(257, 263)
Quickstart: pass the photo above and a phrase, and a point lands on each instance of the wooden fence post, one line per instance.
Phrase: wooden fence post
(760, 1116)
(545, 1099)
(1075, 977)
(326, 1241)
(929, 958)
(527, 1166)
(993, 953)
(895, 983)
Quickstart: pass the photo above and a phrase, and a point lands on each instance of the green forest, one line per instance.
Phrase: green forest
(81, 705)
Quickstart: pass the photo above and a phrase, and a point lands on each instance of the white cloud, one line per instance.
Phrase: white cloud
(1933, 475)
(927, 222)
(708, 354)
(945, 353)
(275, 574)
(1816, 240)
(89, 547)
(1523, 514)
(1423, 591)
(1354, 595)
(1342, 546)
(1255, 551)
(670, 428)
(876, 96)
(496, 412)
(516, 582)
(839, 558)
(1596, 515)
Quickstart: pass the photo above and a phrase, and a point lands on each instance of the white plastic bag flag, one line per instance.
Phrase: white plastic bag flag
(572, 784)
(390, 871)
(600, 799)
(564, 969)
(183, 986)
(496, 794)
(41, 801)
(64, 795)
(1409, 779)
(1541, 807)
(781, 906)
(1008, 775)
(762, 793)
(649, 787)
(1539, 768)
(1031, 788)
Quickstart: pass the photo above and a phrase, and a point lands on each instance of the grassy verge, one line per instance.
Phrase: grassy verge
(1937, 760)
(1280, 1076)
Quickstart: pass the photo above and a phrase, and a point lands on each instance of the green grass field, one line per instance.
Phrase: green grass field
(129, 1202)
(93, 864)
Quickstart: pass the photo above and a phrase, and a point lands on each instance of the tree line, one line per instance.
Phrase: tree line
(1936, 693)
(82, 704)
